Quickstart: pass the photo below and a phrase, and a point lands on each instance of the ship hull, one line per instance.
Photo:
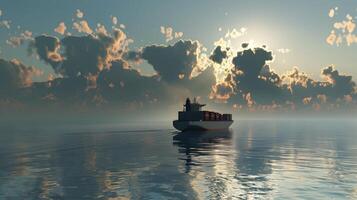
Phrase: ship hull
(201, 125)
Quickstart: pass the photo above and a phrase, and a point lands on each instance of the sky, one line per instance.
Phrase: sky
(298, 33)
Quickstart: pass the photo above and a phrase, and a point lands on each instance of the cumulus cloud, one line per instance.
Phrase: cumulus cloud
(5, 23)
(343, 31)
(254, 78)
(27, 35)
(218, 55)
(331, 13)
(16, 41)
(283, 50)
(79, 14)
(234, 33)
(115, 20)
(81, 55)
(251, 61)
(84, 55)
(61, 28)
(304, 90)
(47, 48)
(82, 27)
(14, 74)
(252, 83)
(101, 29)
(174, 60)
(121, 83)
(340, 85)
(169, 33)
(223, 91)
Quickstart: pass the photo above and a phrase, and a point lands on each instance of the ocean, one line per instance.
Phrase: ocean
(255, 159)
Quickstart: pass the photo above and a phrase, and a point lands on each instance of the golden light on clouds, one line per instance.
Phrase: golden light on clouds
(170, 34)
(343, 31)
(61, 28)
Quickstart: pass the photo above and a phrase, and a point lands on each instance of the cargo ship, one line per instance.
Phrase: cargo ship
(192, 117)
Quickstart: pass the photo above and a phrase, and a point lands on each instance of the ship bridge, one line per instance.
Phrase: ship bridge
(192, 107)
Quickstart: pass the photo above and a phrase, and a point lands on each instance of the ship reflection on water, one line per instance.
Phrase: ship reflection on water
(216, 170)
(199, 143)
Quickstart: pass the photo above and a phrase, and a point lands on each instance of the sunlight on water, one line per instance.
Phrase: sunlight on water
(255, 160)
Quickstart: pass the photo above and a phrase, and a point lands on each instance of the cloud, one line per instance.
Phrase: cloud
(16, 41)
(115, 20)
(27, 35)
(5, 23)
(245, 45)
(169, 33)
(173, 60)
(340, 85)
(331, 38)
(218, 55)
(133, 56)
(14, 74)
(101, 29)
(252, 83)
(85, 55)
(283, 51)
(332, 90)
(79, 14)
(343, 31)
(47, 48)
(234, 33)
(251, 61)
(82, 27)
(121, 83)
(61, 28)
(331, 13)
(81, 55)
(224, 90)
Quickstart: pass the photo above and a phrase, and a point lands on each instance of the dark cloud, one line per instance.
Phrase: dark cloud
(341, 85)
(255, 83)
(121, 83)
(173, 63)
(47, 48)
(14, 75)
(253, 76)
(245, 45)
(134, 56)
(251, 61)
(218, 55)
(80, 55)
(84, 55)
(337, 87)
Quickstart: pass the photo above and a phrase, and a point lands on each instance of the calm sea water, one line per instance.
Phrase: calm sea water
(257, 159)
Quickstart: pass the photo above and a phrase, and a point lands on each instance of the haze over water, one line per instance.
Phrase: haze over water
(256, 159)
